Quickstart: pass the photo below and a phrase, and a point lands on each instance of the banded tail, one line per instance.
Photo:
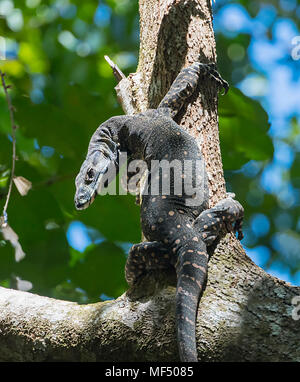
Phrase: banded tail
(191, 271)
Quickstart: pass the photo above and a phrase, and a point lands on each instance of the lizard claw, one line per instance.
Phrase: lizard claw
(221, 82)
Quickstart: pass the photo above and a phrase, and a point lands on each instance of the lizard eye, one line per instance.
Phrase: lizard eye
(90, 174)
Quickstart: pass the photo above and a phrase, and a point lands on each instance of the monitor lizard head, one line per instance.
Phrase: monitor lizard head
(89, 181)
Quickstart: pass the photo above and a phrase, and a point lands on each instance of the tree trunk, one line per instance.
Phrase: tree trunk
(244, 314)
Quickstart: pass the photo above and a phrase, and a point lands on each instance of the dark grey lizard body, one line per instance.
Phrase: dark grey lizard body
(178, 225)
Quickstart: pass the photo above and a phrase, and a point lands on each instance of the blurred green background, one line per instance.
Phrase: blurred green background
(63, 89)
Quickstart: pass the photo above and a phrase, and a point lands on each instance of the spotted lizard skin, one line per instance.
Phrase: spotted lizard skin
(177, 233)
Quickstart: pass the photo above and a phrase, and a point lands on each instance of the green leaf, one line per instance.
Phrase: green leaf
(115, 216)
(243, 130)
(5, 150)
(101, 271)
(5, 124)
(41, 121)
(4, 181)
(46, 249)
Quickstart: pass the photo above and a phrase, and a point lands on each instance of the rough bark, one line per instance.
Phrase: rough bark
(244, 314)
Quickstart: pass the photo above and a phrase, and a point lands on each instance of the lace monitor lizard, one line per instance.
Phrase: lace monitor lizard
(177, 232)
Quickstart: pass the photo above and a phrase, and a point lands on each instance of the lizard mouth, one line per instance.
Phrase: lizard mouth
(84, 200)
(86, 194)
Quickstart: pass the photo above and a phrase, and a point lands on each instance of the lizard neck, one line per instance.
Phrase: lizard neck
(133, 135)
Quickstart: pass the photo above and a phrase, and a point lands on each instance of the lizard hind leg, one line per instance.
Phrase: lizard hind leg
(164, 221)
(144, 257)
(210, 223)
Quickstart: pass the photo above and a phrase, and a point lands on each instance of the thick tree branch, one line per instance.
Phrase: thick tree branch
(244, 315)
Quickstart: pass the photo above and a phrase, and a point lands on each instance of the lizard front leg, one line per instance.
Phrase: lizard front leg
(185, 84)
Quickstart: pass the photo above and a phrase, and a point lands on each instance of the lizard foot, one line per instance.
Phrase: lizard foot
(225, 215)
(144, 257)
(210, 70)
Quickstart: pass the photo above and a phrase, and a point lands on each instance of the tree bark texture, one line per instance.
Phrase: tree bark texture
(244, 313)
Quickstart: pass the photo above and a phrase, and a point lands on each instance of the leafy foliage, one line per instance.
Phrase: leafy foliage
(63, 89)
(239, 116)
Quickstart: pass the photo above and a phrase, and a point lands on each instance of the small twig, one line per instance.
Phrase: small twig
(123, 88)
(119, 75)
(13, 126)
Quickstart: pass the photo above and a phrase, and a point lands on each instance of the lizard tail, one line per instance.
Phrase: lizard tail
(191, 271)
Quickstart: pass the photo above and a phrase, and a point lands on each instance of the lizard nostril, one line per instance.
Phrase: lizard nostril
(81, 196)
(81, 199)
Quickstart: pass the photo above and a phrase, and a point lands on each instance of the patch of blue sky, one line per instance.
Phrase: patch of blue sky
(282, 272)
(263, 54)
(282, 98)
(69, 12)
(232, 19)
(273, 182)
(102, 15)
(260, 224)
(283, 155)
(104, 297)
(284, 93)
(254, 86)
(9, 48)
(37, 96)
(36, 144)
(124, 245)
(77, 236)
(47, 151)
(279, 126)
(95, 236)
(283, 31)
(271, 179)
(260, 255)
(288, 5)
(252, 168)
(266, 15)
